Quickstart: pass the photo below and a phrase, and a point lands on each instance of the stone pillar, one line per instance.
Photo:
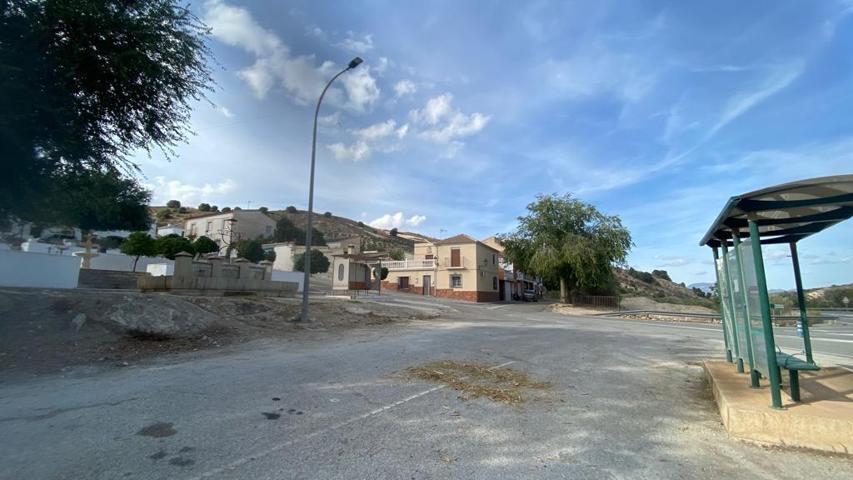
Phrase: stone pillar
(215, 266)
(267, 269)
(184, 265)
(244, 267)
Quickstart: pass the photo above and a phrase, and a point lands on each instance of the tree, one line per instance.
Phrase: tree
(251, 250)
(139, 244)
(226, 209)
(319, 262)
(203, 207)
(183, 210)
(214, 208)
(393, 232)
(286, 231)
(263, 209)
(661, 274)
(328, 214)
(205, 245)
(96, 201)
(397, 254)
(173, 204)
(237, 209)
(173, 244)
(290, 209)
(380, 273)
(566, 239)
(85, 85)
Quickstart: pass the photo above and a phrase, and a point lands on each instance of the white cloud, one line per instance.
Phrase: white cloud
(377, 131)
(299, 76)
(397, 220)
(186, 193)
(596, 71)
(444, 123)
(402, 131)
(778, 80)
(331, 119)
(357, 43)
(405, 87)
(224, 111)
(355, 152)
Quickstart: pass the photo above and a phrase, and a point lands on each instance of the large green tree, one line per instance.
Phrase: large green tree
(171, 245)
(84, 85)
(204, 244)
(139, 244)
(251, 250)
(564, 239)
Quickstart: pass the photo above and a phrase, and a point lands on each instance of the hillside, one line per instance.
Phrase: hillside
(332, 226)
(634, 283)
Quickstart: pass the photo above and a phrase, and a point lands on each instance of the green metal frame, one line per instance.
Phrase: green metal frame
(728, 275)
(722, 310)
(801, 301)
(753, 373)
(767, 324)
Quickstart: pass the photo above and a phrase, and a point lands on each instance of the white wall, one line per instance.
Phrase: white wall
(280, 276)
(124, 263)
(160, 269)
(22, 269)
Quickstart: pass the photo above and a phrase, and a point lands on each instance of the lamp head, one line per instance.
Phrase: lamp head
(355, 62)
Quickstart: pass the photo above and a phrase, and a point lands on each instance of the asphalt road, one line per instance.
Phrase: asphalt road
(627, 400)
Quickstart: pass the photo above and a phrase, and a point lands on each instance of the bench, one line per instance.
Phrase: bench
(794, 365)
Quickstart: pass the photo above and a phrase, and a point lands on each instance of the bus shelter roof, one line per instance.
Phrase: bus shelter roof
(785, 213)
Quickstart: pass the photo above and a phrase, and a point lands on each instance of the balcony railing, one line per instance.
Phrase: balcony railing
(461, 262)
(409, 264)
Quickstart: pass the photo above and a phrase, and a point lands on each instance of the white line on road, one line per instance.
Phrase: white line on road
(275, 448)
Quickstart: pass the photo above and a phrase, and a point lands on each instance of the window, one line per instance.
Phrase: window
(209, 227)
(268, 230)
(341, 272)
(403, 282)
(455, 281)
(192, 229)
(455, 258)
(494, 259)
(494, 283)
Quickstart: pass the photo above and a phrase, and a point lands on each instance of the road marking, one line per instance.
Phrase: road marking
(275, 448)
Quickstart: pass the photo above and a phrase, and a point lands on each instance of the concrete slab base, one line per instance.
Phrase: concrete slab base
(822, 421)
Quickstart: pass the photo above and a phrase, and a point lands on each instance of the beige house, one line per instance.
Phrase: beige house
(458, 267)
(226, 228)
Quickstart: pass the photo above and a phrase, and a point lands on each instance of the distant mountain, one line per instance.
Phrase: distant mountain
(704, 286)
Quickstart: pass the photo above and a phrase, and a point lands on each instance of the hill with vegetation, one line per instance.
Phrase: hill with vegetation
(657, 286)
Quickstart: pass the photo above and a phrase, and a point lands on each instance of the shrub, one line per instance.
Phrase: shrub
(226, 209)
(319, 262)
(641, 276)
(263, 209)
(183, 210)
(251, 250)
(397, 254)
(171, 245)
(290, 209)
(173, 204)
(328, 214)
(661, 274)
(204, 207)
(393, 232)
(205, 245)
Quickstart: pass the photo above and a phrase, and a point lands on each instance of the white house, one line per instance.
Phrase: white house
(170, 230)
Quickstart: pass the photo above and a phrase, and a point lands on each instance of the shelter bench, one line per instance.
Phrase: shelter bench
(794, 365)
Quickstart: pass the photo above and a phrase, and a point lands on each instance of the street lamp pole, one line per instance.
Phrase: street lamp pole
(306, 259)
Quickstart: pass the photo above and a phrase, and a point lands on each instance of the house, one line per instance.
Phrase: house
(353, 271)
(170, 230)
(228, 228)
(458, 267)
(286, 252)
(512, 283)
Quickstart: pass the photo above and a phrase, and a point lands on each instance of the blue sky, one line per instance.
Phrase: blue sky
(464, 111)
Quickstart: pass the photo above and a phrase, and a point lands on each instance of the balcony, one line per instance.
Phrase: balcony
(462, 263)
(409, 264)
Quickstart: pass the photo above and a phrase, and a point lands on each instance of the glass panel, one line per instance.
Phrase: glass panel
(759, 353)
(740, 309)
(725, 306)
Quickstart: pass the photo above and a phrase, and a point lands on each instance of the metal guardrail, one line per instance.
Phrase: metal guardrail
(619, 313)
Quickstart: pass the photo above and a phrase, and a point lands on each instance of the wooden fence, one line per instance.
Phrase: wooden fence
(596, 301)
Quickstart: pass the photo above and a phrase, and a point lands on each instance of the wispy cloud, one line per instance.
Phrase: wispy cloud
(300, 76)
(443, 123)
(165, 190)
(358, 43)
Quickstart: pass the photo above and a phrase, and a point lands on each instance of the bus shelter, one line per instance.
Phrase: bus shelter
(782, 214)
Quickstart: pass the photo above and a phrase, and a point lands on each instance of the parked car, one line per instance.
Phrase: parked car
(530, 296)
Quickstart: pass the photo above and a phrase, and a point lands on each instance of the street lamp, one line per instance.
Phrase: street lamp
(306, 259)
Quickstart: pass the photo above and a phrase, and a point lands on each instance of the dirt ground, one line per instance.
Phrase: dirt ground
(50, 331)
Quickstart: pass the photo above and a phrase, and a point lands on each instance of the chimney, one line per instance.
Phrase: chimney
(350, 249)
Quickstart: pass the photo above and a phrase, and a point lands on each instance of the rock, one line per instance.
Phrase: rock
(78, 321)
(160, 315)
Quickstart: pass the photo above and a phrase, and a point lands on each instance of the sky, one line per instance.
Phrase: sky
(463, 112)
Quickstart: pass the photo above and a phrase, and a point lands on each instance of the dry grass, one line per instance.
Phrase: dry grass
(498, 384)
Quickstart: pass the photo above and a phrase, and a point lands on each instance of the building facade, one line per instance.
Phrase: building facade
(228, 228)
(458, 267)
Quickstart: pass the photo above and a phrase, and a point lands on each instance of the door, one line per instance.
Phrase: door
(502, 286)
(455, 259)
(427, 284)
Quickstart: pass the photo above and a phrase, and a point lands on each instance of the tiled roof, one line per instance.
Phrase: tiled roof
(461, 238)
